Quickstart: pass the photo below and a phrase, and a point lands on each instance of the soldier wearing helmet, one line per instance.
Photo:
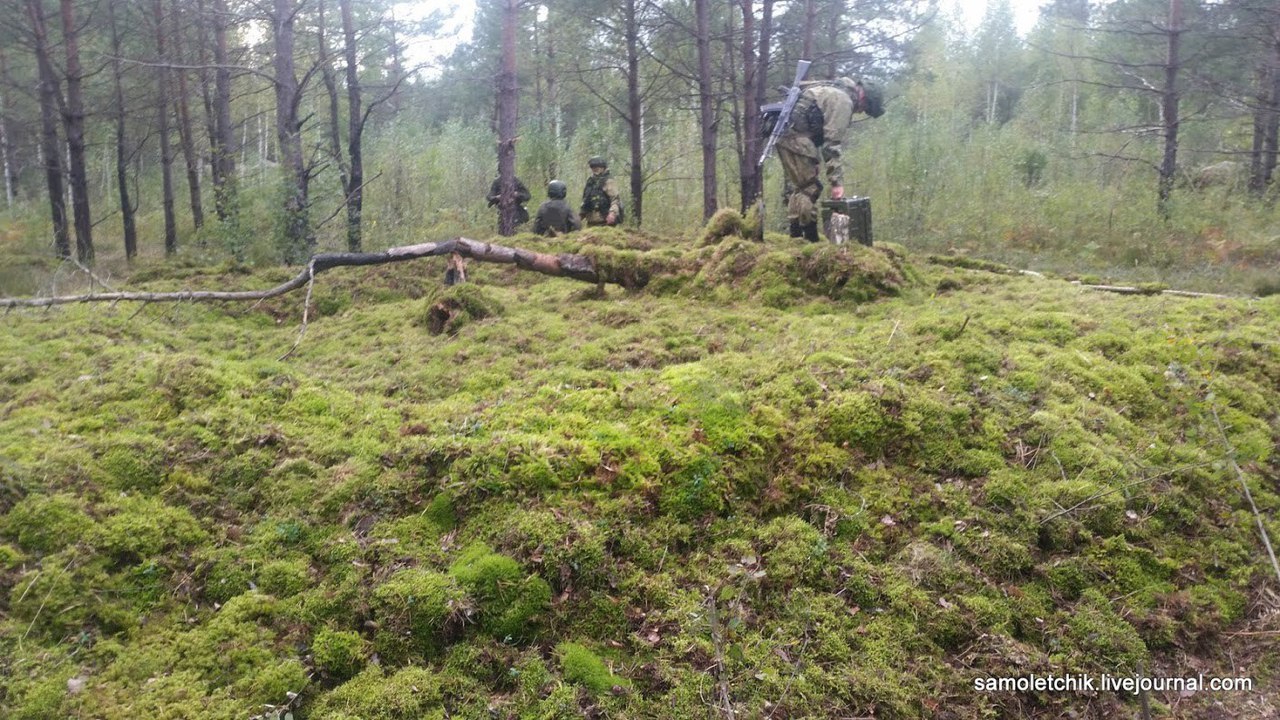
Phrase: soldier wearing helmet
(600, 202)
(818, 124)
(555, 217)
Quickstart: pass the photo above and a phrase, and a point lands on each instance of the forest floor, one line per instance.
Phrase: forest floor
(782, 482)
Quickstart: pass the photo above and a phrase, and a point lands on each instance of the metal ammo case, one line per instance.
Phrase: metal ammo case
(847, 218)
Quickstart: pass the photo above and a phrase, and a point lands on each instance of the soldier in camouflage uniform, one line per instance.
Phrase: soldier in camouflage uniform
(818, 124)
(600, 202)
(555, 217)
(522, 197)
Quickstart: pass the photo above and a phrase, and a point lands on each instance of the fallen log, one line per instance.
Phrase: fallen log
(577, 267)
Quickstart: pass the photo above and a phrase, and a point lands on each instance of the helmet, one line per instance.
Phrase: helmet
(556, 190)
(597, 161)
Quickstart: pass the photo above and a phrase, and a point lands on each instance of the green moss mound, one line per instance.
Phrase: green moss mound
(448, 310)
(745, 475)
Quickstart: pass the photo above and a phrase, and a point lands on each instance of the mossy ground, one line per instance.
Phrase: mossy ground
(882, 487)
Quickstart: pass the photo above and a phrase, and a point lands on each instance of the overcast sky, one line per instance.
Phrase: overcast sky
(463, 12)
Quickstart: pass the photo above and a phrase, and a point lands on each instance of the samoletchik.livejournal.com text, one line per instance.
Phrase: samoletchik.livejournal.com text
(1132, 684)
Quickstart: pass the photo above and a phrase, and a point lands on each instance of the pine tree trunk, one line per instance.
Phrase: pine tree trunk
(73, 119)
(49, 151)
(507, 109)
(186, 136)
(298, 241)
(122, 153)
(162, 128)
(707, 108)
(1266, 114)
(1169, 109)
(223, 148)
(355, 132)
(748, 168)
(635, 110)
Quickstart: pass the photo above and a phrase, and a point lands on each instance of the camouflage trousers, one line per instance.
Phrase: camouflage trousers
(802, 163)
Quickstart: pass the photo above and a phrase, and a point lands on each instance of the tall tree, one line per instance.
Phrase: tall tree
(73, 114)
(1169, 98)
(222, 148)
(508, 99)
(50, 152)
(186, 134)
(162, 129)
(7, 159)
(708, 106)
(1266, 101)
(298, 240)
(123, 155)
(356, 117)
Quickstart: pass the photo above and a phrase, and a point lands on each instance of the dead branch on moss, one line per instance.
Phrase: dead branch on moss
(576, 267)
(1244, 485)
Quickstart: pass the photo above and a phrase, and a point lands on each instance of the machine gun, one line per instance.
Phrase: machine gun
(779, 114)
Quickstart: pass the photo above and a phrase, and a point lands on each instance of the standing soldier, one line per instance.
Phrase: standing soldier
(820, 118)
(555, 217)
(600, 202)
(522, 197)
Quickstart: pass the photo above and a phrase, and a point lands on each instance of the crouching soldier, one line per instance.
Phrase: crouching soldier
(555, 217)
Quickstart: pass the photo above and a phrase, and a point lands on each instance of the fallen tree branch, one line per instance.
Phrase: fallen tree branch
(1244, 485)
(577, 267)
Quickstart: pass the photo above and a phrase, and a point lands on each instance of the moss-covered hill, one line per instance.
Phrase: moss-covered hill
(752, 490)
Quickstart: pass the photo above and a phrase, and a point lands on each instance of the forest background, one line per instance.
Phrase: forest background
(264, 130)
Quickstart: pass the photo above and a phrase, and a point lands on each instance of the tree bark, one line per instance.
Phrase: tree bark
(223, 149)
(162, 128)
(186, 136)
(49, 150)
(6, 145)
(748, 169)
(122, 153)
(567, 265)
(810, 23)
(298, 240)
(1266, 114)
(635, 110)
(73, 120)
(1169, 109)
(355, 132)
(508, 98)
(707, 108)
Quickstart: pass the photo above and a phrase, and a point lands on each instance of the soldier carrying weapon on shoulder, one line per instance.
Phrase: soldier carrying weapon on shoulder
(810, 136)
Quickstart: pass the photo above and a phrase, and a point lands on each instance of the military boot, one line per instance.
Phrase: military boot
(796, 229)
(811, 232)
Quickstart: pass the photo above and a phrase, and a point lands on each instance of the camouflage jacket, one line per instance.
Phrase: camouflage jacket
(599, 198)
(555, 217)
(836, 108)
